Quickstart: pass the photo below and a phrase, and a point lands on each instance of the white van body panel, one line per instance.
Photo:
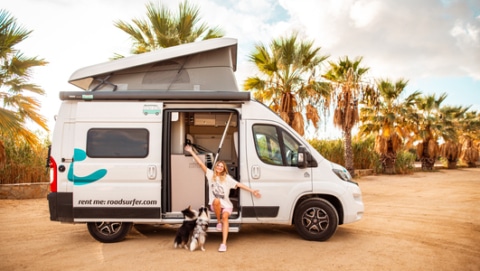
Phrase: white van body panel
(290, 182)
(133, 189)
(117, 149)
(129, 182)
(275, 182)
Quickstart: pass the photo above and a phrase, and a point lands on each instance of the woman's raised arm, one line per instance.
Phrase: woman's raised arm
(189, 149)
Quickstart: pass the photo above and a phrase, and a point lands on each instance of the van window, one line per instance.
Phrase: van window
(117, 143)
(275, 146)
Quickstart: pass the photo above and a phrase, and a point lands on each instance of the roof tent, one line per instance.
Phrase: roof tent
(199, 66)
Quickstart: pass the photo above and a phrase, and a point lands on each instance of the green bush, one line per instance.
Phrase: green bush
(24, 163)
(363, 155)
(332, 150)
(405, 162)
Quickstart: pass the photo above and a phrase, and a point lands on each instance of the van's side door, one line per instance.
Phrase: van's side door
(272, 168)
(116, 167)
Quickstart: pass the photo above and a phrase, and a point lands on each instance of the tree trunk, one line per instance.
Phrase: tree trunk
(388, 162)
(3, 155)
(349, 153)
(452, 164)
(427, 162)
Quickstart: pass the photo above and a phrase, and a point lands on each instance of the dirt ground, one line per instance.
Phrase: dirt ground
(424, 221)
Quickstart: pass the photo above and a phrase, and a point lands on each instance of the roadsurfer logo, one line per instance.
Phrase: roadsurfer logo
(78, 156)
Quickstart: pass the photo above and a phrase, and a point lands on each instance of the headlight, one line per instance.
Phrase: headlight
(344, 175)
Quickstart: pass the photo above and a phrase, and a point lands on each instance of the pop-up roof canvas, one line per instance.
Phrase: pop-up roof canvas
(199, 66)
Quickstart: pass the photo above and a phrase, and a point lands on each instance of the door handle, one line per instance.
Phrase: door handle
(152, 172)
(255, 172)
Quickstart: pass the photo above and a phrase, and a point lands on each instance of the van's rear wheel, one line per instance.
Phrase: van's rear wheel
(109, 232)
(316, 219)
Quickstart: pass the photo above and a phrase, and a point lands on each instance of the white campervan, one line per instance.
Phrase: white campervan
(117, 154)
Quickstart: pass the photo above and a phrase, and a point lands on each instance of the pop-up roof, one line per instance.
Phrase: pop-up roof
(206, 65)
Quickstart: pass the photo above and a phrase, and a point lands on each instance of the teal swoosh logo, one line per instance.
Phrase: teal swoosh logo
(78, 156)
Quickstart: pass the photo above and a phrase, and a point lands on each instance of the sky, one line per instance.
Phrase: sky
(434, 44)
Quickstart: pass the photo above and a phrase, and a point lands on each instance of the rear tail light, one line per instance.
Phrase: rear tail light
(53, 175)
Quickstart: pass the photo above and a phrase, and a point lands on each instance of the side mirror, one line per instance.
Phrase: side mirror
(305, 158)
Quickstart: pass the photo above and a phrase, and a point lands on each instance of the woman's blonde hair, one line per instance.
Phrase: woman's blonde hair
(220, 175)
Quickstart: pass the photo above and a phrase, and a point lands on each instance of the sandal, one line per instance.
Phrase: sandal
(219, 227)
(222, 248)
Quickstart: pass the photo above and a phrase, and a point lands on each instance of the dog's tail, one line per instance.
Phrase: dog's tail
(177, 241)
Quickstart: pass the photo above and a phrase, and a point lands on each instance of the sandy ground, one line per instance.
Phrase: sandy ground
(424, 221)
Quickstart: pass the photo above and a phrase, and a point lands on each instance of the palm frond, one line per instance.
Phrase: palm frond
(164, 28)
(287, 80)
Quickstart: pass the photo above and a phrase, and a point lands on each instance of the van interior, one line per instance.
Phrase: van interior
(214, 136)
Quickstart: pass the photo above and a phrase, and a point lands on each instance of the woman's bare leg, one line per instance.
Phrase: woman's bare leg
(217, 208)
(225, 227)
(222, 218)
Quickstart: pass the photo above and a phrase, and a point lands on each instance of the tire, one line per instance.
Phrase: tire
(316, 219)
(109, 232)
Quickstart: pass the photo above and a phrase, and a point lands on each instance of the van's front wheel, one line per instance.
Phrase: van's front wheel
(316, 220)
(109, 232)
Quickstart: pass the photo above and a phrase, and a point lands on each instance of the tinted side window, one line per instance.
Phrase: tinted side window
(117, 143)
(275, 146)
(290, 149)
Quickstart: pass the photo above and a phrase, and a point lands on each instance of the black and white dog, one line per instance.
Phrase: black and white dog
(200, 231)
(185, 230)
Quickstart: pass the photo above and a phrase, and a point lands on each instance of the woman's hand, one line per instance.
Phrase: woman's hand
(257, 194)
(188, 148)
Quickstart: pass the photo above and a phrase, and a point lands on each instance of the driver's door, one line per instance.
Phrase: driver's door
(272, 169)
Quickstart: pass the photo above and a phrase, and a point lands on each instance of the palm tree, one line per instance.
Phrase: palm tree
(384, 114)
(451, 149)
(288, 83)
(470, 125)
(429, 127)
(15, 72)
(345, 77)
(163, 28)
(470, 138)
(470, 152)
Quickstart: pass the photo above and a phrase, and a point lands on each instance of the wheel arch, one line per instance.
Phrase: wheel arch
(330, 198)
